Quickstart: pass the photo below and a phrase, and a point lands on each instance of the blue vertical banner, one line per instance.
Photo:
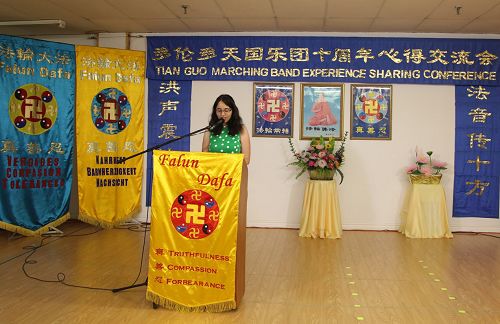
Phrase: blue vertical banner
(36, 133)
(325, 59)
(477, 151)
(169, 116)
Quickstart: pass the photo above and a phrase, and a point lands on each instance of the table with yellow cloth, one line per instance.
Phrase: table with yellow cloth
(321, 210)
(424, 213)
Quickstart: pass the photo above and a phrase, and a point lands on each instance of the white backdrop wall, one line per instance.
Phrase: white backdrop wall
(375, 182)
(372, 193)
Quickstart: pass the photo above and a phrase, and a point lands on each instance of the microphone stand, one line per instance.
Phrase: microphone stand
(196, 132)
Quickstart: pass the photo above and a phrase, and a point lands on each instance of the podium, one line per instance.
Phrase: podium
(198, 231)
(321, 210)
(424, 213)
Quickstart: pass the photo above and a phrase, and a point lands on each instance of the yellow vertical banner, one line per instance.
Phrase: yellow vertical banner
(194, 228)
(109, 127)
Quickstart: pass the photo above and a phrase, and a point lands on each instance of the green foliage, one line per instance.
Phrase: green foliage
(320, 155)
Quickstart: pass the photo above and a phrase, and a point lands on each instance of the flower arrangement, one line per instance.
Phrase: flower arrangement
(320, 156)
(425, 165)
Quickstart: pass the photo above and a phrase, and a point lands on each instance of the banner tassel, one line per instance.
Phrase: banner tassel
(171, 305)
(105, 224)
(40, 231)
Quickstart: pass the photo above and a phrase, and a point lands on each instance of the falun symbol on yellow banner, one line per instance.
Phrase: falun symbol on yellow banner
(111, 111)
(195, 214)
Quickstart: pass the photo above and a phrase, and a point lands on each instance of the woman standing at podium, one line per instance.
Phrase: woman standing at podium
(230, 135)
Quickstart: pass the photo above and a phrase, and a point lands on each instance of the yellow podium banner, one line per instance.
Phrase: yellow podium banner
(109, 127)
(194, 227)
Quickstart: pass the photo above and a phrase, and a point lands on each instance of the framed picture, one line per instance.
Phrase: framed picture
(322, 110)
(273, 109)
(371, 112)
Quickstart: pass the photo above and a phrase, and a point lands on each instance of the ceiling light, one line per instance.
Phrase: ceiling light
(60, 23)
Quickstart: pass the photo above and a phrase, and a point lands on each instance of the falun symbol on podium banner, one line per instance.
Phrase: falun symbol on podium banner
(195, 214)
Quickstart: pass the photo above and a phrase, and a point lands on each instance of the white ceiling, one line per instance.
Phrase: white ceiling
(162, 16)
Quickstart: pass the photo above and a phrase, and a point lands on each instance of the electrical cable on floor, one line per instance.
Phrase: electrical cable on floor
(478, 233)
(486, 234)
(61, 277)
(55, 239)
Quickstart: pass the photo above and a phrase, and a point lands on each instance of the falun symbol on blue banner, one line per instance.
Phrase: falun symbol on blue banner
(33, 109)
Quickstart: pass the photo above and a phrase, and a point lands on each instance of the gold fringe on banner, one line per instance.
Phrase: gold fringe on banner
(107, 199)
(40, 231)
(92, 220)
(171, 305)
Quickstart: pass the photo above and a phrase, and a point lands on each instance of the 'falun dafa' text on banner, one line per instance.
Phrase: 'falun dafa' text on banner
(195, 207)
(36, 133)
(109, 114)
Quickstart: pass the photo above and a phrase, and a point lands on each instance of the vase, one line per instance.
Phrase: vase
(425, 179)
(321, 174)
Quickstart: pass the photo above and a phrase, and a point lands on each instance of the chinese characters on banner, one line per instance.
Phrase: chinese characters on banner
(37, 103)
(110, 127)
(465, 63)
(194, 230)
(325, 59)
(477, 152)
(169, 117)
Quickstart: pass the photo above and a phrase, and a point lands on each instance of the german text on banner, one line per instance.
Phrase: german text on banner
(109, 114)
(36, 133)
(195, 207)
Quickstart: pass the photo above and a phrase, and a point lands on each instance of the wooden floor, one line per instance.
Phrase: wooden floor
(367, 277)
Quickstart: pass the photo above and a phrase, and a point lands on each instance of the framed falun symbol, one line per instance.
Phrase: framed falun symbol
(273, 109)
(321, 111)
(371, 112)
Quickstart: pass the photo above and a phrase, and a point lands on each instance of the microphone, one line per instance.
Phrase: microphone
(216, 124)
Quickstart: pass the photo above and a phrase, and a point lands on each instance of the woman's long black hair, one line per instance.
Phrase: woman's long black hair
(235, 123)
